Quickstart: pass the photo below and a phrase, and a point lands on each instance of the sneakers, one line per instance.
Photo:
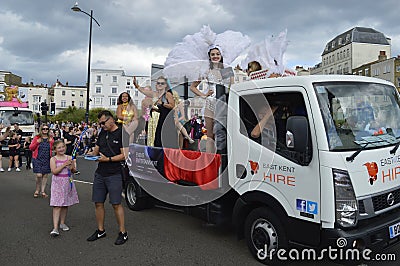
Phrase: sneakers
(97, 235)
(122, 238)
(64, 227)
(9, 169)
(54, 233)
(77, 172)
(1, 169)
(18, 170)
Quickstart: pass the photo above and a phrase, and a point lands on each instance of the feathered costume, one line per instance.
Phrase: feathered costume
(189, 58)
(269, 53)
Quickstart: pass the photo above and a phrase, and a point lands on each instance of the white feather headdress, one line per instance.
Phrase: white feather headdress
(269, 53)
(189, 58)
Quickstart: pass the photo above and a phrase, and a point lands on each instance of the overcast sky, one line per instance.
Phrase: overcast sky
(42, 40)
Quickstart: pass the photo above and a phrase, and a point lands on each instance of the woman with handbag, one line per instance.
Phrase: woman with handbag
(42, 147)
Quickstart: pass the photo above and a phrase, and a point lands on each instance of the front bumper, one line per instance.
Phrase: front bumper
(372, 234)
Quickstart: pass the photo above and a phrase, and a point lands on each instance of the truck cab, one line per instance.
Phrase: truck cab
(324, 167)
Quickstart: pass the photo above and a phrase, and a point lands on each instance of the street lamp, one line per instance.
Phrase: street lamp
(77, 9)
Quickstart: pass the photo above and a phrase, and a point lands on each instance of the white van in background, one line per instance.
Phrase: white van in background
(23, 116)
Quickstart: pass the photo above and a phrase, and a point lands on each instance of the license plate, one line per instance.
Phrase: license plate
(394, 230)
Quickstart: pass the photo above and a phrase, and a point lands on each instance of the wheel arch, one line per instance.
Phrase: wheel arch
(250, 201)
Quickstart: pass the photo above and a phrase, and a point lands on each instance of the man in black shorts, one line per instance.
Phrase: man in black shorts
(107, 178)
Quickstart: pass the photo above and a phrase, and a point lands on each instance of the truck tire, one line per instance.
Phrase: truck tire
(132, 198)
(264, 231)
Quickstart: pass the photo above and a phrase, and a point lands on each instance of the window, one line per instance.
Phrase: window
(348, 37)
(128, 91)
(62, 93)
(73, 93)
(113, 90)
(340, 41)
(98, 79)
(114, 79)
(113, 101)
(348, 52)
(346, 68)
(98, 89)
(73, 103)
(36, 107)
(366, 71)
(63, 103)
(81, 93)
(360, 72)
(136, 93)
(254, 107)
(81, 104)
(398, 82)
(136, 102)
(333, 44)
(37, 98)
(98, 101)
(387, 69)
(128, 82)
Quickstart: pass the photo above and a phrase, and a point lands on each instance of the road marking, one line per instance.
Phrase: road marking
(90, 183)
(84, 182)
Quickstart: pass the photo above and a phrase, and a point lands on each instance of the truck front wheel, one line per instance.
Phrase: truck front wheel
(264, 235)
(132, 192)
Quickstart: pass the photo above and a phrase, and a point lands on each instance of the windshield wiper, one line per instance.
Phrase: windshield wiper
(354, 155)
(393, 151)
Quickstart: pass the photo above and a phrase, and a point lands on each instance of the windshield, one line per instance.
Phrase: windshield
(358, 114)
(10, 117)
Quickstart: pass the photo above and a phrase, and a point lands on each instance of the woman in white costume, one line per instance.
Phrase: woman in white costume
(206, 56)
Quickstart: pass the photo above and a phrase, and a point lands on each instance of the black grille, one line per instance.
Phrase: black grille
(380, 201)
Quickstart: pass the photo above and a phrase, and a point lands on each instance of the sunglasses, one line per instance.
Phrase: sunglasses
(45, 129)
(104, 122)
(161, 83)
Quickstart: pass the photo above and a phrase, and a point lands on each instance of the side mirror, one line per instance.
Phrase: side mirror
(297, 134)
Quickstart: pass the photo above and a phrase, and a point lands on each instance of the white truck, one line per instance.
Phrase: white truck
(21, 115)
(325, 174)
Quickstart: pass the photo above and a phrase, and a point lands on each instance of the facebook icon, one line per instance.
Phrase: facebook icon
(301, 205)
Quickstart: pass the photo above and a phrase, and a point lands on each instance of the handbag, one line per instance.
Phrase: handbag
(124, 167)
(124, 173)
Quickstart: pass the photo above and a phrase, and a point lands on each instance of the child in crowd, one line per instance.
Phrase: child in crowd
(13, 147)
(63, 191)
(28, 152)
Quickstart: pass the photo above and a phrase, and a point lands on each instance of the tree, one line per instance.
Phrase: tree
(76, 115)
(93, 113)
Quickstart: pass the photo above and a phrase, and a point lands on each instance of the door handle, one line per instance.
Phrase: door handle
(241, 171)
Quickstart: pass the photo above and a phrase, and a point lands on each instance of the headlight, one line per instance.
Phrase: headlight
(345, 199)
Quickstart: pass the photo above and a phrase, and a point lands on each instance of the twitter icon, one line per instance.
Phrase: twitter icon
(312, 207)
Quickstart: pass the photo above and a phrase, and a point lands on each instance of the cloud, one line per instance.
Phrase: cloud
(45, 39)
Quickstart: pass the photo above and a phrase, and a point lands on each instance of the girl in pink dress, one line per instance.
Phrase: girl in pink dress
(63, 191)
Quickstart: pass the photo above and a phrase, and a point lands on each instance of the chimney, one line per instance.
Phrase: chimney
(382, 56)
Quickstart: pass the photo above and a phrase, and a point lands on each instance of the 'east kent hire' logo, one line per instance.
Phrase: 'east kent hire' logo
(254, 167)
(372, 171)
